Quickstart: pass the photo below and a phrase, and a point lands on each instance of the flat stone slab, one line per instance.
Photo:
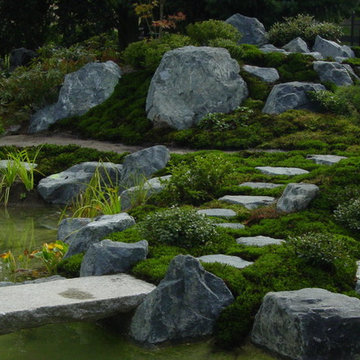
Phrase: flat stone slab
(220, 213)
(235, 226)
(226, 259)
(260, 185)
(28, 166)
(87, 298)
(290, 171)
(250, 202)
(325, 159)
(259, 241)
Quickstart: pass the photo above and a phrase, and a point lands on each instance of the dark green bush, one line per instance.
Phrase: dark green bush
(297, 67)
(236, 51)
(329, 102)
(258, 90)
(70, 267)
(147, 54)
(356, 50)
(304, 26)
(348, 214)
(181, 227)
(203, 32)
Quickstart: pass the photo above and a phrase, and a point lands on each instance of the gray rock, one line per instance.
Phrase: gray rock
(259, 241)
(297, 45)
(36, 281)
(192, 82)
(269, 48)
(111, 257)
(291, 95)
(297, 197)
(63, 187)
(326, 159)
(96, 230)
(332, 72)
(316, 55)
(80, 299)
(185, 305)
(69, 227)
(149, 188)
(82, 90)
(251, 29)
(28, 166)
(260, 185)
(250, 202)
(142, 164)
(235, 226)
(328, 48)
(278, 170)
(351, 72)
(21, 57)
(234, 261)
(220, 213)
(269, 75)
(309, 324)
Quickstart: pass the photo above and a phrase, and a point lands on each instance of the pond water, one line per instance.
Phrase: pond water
(29, 228)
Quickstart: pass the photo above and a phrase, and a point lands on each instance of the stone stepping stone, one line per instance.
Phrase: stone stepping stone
(235, 226)
(259, 241)
(220, 213)
(260, 185)
(290, 171)
(325, 159)
(226, 259)
(250, 202)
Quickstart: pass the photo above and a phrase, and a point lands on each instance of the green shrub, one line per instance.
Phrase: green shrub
(203, 32)
(319, 249)
(178, 227)
(356, 50)
(236, 51)
(304, 26)
(70, 267)
(258, 89)
(147, 54)
(197, 181)
(348, 214)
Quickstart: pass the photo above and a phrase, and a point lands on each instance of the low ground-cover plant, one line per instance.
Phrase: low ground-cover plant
(304, 26)
(348, 214)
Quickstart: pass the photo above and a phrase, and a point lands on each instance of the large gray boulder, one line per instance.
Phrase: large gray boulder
(251, 29)
(296, 197)
(130, 196)
(61, 188)
(111, 257)
(328, 48)
(142, 164)
(192, 82)
(309, 324)
(69, 227)
(291, 95)
(268, 75)
(96, 230)
(297, 45)
(333, 72)
(82, 90)
(185, 304)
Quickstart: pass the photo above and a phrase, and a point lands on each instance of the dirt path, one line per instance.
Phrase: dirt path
(33, 140)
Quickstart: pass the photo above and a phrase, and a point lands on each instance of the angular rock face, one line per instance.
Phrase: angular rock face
(150, 187)
(191, 82)
(265, 74)
(111, 257)
(297, 197)
(291, 95)
(21, 57)
(69, 227)
(82, 90)
(251, 29)
(330, 48)
(297, 45)
(144, 163)
(269, 48)
(333, 72)
(185, 304)
(61, 188)
(309, 324)
(96, 230)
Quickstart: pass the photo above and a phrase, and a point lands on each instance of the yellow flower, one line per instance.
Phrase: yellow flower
(6, 255)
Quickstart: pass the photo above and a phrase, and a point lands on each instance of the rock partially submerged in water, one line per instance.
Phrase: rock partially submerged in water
(185, 305)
